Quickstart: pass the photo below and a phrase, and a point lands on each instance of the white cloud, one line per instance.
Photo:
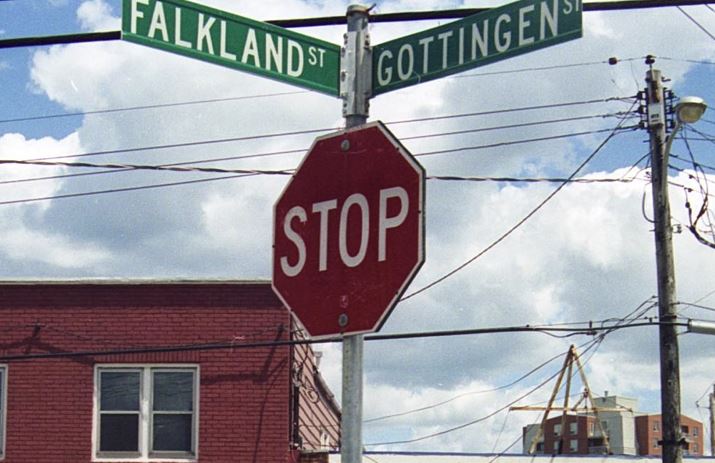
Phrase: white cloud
(36, 246)
(24, 240)
(96, 15)
(14, 146)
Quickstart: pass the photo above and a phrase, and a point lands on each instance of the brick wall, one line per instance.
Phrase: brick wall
(244, 393)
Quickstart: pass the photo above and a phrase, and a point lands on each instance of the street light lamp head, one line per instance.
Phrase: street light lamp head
(690, 109)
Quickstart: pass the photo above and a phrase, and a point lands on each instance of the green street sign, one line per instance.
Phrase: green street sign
(483, 38)
(223, 38)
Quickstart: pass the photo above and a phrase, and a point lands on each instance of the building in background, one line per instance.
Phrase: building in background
(629, 432)
(649, 435)
(147, 371)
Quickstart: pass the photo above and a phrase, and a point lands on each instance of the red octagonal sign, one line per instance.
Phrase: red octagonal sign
(348, 231)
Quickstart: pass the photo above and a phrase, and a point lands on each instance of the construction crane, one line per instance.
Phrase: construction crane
(572, 358)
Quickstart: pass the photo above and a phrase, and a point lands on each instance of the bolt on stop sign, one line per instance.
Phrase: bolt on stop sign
(348, 231)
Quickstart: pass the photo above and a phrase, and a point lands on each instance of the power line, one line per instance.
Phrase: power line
(233, 344)
(146, 107)
(85, 37)
(528, 140)
(120, 190)
(187, 144)
(271, 95)
(182, 167)
(697, 306)
(530, 179)
(519, 223)
(517, 109)
(643, 307)
(459, 396)
(514, 126)
(320, 130)
(685, 60)
(470, 423)
(246, 173)
(700, 26)
(111, 171)
(146, 167)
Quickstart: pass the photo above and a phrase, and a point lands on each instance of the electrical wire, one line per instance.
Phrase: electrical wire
(613, 131)
(610, 61)
(636, 314)
(242, 172)
(470, 423)
(684, 60)
(700, 26)
(255, 173)
(121, 190)
(707, 390)
(513, 126)
(519, 223)
(147, 107)
(231, 158)
(693, 163)
(475, 421)
(501, 431)
(259, 96)
(697, 306)
(321, 130)
(465, 394)
(340, 21)
(181, 167)
(234, 344)
(505, 450)
(705, 297)
(517, 109)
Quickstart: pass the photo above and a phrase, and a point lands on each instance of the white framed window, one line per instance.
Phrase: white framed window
(573, 445)
(573, 427)
(145, 412)
(557, 430)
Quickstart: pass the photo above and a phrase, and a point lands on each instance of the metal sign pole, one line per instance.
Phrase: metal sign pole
(355, 90)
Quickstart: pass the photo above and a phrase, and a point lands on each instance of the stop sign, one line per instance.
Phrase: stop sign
(348, 231)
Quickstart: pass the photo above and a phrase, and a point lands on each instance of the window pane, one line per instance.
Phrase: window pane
(173, 391)
(119, 433)
(119, 390)
(172, 433)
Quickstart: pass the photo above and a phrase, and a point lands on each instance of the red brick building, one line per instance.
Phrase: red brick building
(649, 433)
(581, 435)
(156, 371)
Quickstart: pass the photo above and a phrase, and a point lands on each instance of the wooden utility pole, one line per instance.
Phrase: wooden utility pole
(669, 356)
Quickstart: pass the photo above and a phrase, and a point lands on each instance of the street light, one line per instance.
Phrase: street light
(688, 111)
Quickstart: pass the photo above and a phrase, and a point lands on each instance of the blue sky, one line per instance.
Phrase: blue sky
(587, 255)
